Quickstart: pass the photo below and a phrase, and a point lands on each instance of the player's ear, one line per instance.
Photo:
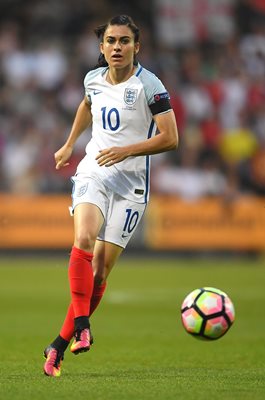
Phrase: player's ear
(101, 48)
(136, 48)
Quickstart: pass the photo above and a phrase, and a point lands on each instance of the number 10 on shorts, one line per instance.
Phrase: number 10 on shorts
(131, 220)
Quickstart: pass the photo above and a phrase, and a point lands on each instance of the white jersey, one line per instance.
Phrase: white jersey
(121, 115)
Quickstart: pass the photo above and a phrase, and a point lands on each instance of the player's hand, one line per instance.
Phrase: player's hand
(62, 156)
(111, 156)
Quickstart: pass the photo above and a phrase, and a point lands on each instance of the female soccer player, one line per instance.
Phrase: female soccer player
(125, 104)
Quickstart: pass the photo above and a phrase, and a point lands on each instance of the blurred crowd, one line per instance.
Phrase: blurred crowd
(217, 91)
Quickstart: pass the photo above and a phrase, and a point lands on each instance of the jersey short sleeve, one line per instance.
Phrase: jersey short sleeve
(90, 79)
(156, 94)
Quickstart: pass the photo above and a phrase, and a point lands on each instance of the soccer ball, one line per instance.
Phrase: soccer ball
(207, 313)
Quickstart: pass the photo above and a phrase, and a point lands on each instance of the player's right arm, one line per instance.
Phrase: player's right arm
(82, 121)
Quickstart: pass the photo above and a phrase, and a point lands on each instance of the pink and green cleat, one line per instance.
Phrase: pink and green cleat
(82, 341)
(52, 366)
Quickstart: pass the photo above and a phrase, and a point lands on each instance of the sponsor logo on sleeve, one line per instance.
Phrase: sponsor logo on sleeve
(161, 96)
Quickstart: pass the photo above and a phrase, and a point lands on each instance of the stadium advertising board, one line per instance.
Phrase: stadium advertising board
(214, 224)
(170, 223)
(41, 222)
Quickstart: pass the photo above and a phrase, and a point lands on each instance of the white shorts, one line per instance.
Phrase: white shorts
(121, 216)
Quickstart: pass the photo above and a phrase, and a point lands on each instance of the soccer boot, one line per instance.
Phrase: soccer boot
(52, 365)
(82, 341)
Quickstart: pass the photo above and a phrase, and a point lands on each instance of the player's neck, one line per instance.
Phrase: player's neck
(117, 75)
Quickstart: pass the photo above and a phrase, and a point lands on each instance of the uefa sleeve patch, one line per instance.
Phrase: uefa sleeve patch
(161, 96)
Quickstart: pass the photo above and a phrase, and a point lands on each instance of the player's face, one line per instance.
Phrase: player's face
(118, 46)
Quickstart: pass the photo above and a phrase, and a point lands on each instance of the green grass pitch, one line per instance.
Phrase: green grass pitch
(141, 350)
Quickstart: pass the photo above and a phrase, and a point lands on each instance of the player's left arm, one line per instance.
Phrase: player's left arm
(166, 139)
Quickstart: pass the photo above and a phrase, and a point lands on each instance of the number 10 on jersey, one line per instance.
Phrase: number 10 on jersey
(110, 118)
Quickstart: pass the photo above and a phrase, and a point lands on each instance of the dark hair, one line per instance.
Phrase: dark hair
(118, 20)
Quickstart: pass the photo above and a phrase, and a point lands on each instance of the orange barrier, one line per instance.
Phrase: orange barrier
(44, 222)
(35, 222)
(172, 223)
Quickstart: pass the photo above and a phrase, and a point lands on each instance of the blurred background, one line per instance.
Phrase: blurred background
(210, 54)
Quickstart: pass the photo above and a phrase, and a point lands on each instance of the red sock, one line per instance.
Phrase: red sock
(68, 328)
(97, 294)
(81, 281)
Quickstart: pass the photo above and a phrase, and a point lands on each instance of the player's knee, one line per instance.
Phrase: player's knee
(85, 242)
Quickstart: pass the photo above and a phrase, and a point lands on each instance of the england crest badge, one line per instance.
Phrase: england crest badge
(130, 96)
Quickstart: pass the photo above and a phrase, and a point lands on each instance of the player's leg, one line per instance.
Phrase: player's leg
(88, 220)
(89, 194)
(105, 256)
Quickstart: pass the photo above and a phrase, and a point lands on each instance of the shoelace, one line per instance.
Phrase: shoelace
(80, 333)
(56, 357)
